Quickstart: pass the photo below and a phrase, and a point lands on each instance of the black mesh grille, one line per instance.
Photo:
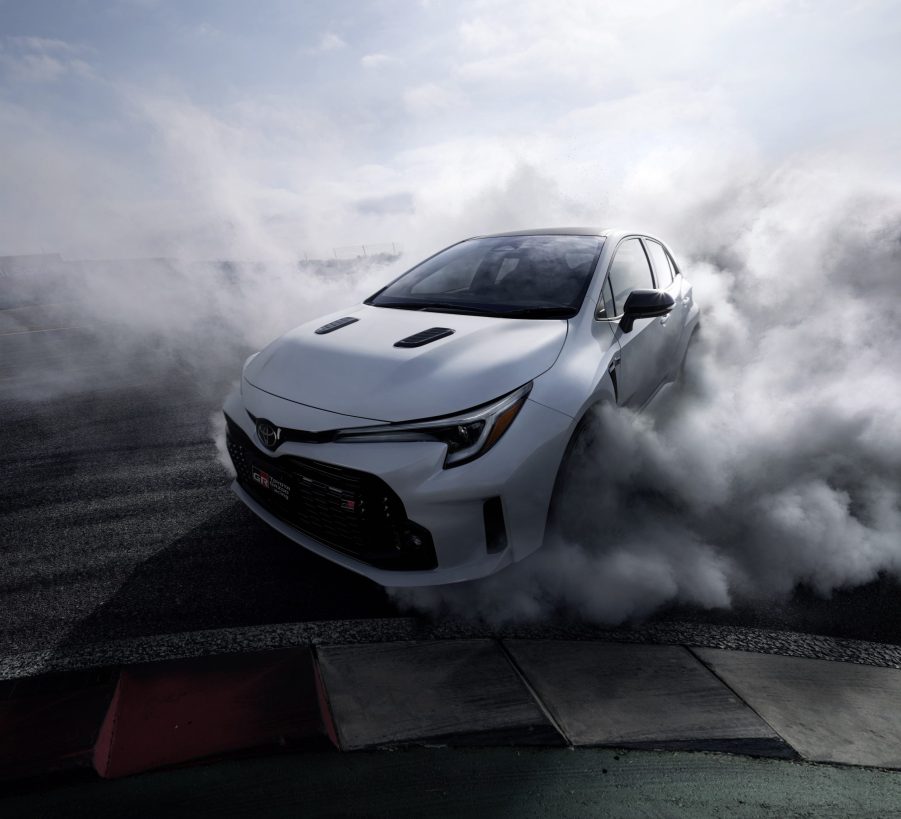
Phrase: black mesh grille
(424, 337)
(353, 512)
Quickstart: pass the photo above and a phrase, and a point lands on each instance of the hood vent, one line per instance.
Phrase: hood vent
(337, 324)
(424, 337)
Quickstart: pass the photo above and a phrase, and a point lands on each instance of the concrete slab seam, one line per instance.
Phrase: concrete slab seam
(741, 699)
(534, 693)
(325, 704)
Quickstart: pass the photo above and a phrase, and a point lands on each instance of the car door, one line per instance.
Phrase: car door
(641, 368)
(673, 323)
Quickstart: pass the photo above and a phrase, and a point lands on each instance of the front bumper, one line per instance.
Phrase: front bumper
(445, 509)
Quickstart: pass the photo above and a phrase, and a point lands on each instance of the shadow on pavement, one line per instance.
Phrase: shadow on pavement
(229, 570)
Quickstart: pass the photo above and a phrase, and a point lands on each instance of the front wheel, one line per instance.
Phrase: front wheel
(577, 479)
(693, 341)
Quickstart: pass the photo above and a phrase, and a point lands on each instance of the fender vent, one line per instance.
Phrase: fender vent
(495, 528)
(337, 324)
(424, 337)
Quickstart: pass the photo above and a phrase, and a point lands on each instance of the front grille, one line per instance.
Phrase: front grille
(352, 512)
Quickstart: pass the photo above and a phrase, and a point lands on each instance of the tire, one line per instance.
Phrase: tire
(693, 340)
(573, 485)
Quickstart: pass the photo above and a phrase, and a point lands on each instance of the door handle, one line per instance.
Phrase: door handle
(663, 319)
(614, 363)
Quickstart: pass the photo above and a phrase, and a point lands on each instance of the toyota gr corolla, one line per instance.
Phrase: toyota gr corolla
(416, 438)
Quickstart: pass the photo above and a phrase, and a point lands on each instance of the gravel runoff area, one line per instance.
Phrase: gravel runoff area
(336, 632)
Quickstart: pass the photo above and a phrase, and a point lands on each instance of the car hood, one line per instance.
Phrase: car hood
(357, 370)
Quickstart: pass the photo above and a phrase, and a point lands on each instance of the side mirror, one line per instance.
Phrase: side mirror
(645, 304)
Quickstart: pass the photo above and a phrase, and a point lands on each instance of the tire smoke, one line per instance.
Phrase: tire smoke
(776, 460)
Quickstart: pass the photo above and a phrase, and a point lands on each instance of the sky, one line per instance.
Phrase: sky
(282, 129)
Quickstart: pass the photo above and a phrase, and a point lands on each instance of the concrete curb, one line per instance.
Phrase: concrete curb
(470, 692)
(168, 713)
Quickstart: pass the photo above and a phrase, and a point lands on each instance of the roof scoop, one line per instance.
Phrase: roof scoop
(424, 337)
(337, 324)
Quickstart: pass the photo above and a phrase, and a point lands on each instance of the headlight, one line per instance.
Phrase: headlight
(467, 435)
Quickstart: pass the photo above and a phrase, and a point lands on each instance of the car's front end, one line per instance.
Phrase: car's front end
(396, 510)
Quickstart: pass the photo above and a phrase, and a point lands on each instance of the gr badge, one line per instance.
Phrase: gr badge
(270, 482)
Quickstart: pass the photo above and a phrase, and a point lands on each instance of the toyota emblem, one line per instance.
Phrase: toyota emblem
(269, 434)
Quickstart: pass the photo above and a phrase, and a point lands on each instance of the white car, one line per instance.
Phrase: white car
(416, 438)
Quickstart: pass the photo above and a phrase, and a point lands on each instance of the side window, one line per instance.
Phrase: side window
(672, 264)
(606, 310)
(629, 271)
(662, 269)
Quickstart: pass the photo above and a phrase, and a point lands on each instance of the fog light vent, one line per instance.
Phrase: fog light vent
(495, 528)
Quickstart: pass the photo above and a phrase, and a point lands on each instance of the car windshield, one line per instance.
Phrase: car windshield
(509, 276)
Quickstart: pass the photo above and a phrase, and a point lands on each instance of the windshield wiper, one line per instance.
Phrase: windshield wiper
(399, 305)
(538, 311)
(450, 307)
(541, 311)
(432, 306)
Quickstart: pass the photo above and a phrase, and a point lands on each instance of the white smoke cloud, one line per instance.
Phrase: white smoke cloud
(778, 461)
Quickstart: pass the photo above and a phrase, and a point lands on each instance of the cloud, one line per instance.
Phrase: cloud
(588, 108)
(392, 203)
(430, 97)
(43, 60)
(205, 30)
(328, 42)
(376, 61)
(46, 45)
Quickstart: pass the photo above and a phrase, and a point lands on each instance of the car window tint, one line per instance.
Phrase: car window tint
(454, 276)
(507, 266)
(630, 271)
(662, 269)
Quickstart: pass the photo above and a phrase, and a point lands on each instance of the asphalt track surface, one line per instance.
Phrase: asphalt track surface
(116, 520)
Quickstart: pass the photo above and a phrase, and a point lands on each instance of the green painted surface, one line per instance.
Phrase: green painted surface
(493, 782)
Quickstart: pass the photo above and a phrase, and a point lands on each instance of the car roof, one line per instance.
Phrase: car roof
(552, 231)
(614, 235)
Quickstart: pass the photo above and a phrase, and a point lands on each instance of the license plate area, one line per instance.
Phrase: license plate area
(273, 481)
